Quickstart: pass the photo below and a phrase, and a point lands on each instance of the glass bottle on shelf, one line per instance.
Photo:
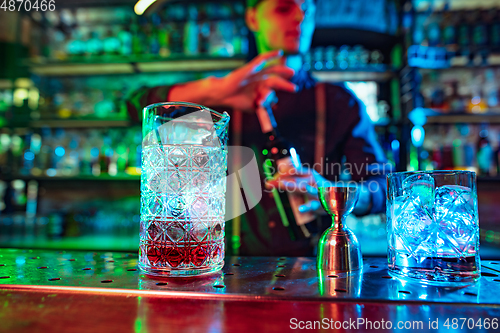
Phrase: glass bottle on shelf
(376, 58)
(240, 39)
(494, 41)
(458, 147)
(105, 153)
(455, 101)
(144, 34)
(125, 39)
(419, 37)
(5, 143)
(480, 36)
(436, 155)
(75, 48)
(58, 42)
(191, 32)
(153, 38)
(464, 34)
(137, 42)
(437, 95)
(94, 44)
(111, 43)
(449, 31)
(433, 29)
(477, 103)
(177, 15)
(44, 158)
(447, 150)
(227, 29)
(469, 147)
(342, 57)
(86, 157)
(71, 166)
(318, 58)
(27, 156)
(58, 153)
(484, 152)
(490, 88)
(163, 34)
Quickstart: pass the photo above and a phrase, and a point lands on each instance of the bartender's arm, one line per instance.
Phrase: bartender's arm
(242, 89)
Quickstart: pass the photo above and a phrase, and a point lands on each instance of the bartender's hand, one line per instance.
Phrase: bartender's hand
(300, 181)
(306, 181)
(243, 88)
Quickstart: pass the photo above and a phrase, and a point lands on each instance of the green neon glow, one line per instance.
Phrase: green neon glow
(138, 320)
(279, 204)
(138, 325)
(236, 241)
(265, 152)
(414, 158)
(321, 279)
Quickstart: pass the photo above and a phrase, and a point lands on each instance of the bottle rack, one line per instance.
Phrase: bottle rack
(59, 69)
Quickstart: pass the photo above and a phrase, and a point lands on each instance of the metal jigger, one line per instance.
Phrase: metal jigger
(338, 249)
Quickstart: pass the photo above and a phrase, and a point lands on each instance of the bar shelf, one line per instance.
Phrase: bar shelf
(458, 116)
(132, 65)
(382, 73)
(106, 177)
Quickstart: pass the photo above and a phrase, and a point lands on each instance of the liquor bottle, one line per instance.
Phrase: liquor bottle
(204, 27)
(27, 157)
(240, 40)
(480, 36)
(164, 37)
(318, 58)
(144, 35)
(137, 42)
(438, 100)
(125, 38)
(495, 31)
(5, 141)
(477, 103)
(449, 31)
(105, 154)
(455, 102)
(490, 89)
(86, 159)
(111, 43)
(432, 29)
(464, 34)
(484, 152)
(191, 42)
(76, 46)
(177, 15)
(153, 40)
(280, 157)
(94, 45)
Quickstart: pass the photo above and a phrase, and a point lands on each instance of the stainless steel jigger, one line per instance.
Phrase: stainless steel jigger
(338, 249)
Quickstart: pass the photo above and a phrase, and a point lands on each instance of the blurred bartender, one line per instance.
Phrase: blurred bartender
(283, 31)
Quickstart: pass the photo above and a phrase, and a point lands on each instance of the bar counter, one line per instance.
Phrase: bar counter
(71, 291)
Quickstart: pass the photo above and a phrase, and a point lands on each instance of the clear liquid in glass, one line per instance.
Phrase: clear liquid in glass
(436, 242)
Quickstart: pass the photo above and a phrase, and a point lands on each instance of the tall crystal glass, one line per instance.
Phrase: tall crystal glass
(183, 185)
(432, 226)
